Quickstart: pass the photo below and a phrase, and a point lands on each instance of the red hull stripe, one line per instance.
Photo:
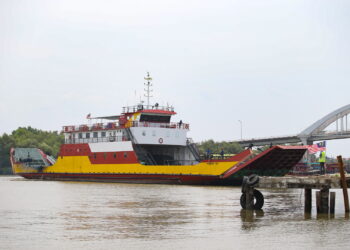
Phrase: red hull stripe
(128, 178)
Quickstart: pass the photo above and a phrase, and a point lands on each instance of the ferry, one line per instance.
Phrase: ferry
(144, 145)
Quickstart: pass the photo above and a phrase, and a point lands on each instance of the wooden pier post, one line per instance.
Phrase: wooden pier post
(332, 203)
(318, 202)
(308, 200)
(249, 192)
(325, 200)
(343, 183)
(322, 201)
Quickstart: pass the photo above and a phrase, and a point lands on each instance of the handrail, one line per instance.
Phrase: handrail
(161, 125)
(113, 126)
(93, 127)
(132, 109)
(96, 139)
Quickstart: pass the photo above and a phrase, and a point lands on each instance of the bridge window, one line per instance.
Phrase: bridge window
(103, 134)
(155, 118)
(95, 134)
(87, 135)
(80, 135)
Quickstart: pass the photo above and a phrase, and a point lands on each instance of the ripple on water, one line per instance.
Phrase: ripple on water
(41, 214)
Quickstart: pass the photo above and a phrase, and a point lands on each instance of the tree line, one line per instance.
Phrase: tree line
(28, 137)
(217, 147)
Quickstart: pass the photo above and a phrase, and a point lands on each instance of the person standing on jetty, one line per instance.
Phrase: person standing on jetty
(322, 161)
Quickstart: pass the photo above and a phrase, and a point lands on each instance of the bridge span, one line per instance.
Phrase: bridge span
(315, 132)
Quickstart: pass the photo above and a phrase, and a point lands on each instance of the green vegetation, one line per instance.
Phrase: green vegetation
(216, 147)
(47, 141)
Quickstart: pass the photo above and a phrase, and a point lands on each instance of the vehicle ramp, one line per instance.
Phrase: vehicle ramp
(275, 161)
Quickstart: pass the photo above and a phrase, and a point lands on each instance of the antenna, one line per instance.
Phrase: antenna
(148, 91)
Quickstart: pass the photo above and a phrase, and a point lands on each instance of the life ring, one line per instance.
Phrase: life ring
(160, 140)
(259, 200)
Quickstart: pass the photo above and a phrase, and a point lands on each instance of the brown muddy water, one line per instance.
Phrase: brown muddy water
(72, 215)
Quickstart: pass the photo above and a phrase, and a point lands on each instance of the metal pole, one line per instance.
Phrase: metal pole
(241, 129)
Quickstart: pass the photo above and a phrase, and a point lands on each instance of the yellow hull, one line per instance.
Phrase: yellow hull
(82, 164)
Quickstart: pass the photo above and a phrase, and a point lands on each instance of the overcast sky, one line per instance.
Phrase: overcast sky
(278, 66)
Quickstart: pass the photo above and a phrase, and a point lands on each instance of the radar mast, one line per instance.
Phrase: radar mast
(148, 89)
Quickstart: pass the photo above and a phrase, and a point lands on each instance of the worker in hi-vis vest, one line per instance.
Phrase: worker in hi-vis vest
(322, 161)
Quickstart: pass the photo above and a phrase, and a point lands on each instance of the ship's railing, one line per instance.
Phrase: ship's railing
(95, 139)
(161, 125)
(92, 127)
(132, 109)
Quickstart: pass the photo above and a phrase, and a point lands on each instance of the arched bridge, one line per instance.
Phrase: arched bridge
(315, 132)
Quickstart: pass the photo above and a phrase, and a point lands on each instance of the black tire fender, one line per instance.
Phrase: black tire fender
(252, 179)
(258, 200)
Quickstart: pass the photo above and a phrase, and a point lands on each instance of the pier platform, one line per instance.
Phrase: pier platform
(306, 182)
(325, 200)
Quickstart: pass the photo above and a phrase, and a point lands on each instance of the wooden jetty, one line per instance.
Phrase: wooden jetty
(325, 200)
(306, 182)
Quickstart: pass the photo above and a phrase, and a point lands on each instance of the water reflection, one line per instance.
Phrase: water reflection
(251, 218)
(138, 216)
